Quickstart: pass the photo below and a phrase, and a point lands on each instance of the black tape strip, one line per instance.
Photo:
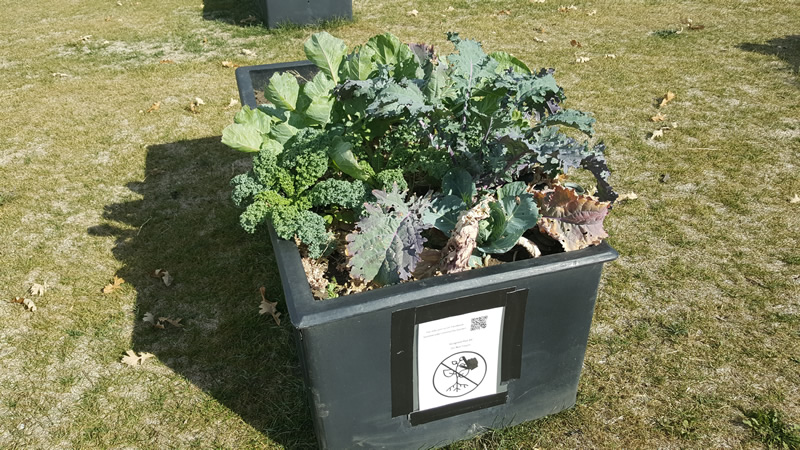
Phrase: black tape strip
(442, 412)
(402, 362)
(462, 305)
(513, 327)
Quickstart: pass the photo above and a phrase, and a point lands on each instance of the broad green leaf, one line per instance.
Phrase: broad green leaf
(327, 53)
(282, 91)
(521, 214)
(506, 61)
(498, 222)
(396, 99)
(316, 99)
(359, 65)
(388, 242)
(272, 146)
(245, 138)
(470, 64)
(282, 132)
(391, 51)
(253, 117)
(459, 182)
(572, 118)
(444, 213)
(341, 153)
(435, 84)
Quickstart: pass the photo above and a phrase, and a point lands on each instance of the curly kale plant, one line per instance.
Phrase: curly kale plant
(395, 142)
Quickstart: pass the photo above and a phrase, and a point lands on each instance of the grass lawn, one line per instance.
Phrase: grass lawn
(105, 171)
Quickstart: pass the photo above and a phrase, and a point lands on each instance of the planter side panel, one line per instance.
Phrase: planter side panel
(303, 12)
(349, 369)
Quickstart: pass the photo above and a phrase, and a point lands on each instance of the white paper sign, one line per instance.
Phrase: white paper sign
(458, 358)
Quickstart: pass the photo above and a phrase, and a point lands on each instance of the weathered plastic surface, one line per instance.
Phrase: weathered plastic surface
(303, 12)
(344, 343)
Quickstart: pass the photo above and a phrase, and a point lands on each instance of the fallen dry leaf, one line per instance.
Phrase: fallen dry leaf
(691, 25)
(575, 43)
(249, 20)
(232, 103)
(37, 289)
(592, 12)
(504, 12)
(132, 359)
(658, 118)
(60, 75)
(628, 196)
(86, 38)
(174, 322)
(413, 13)
(166, 61)
(536, 39)
(795, 199)
(164, 275)
(113, 286)
(268, 307)
(148, 317)
(26, 302)
(154, 107)
(565, 9)
(449, 8)
(582, 59)
(611, 56)
(659, 133)
(229, 64)
(668, 97)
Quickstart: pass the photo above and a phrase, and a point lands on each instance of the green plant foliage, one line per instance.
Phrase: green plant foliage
(388, 242)
(469, 128)
(769, 427)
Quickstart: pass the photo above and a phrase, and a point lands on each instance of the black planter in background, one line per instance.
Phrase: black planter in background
(303, 12)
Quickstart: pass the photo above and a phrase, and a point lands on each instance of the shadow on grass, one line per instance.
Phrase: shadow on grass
(786, 48)
(243, 13)
(185, 223)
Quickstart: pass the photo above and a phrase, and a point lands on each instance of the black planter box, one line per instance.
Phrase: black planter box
(360, 352)
(303, 12)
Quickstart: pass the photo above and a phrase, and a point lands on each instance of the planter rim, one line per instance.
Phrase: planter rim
(305, 311)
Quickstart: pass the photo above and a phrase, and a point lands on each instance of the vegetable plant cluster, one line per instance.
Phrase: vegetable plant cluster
(394, 162)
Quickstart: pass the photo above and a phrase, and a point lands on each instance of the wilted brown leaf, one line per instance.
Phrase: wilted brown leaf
(229, 64)
(268, 307)
(504, 12)
(463, 240)
(132, 359)
(566, 9)
(113, 286)
(575, 43)
(26, 302)
(576, 221)
(249, 20)
(154, 107)
(659, 133)
(658, 118)
(166, 61)
(668, 97)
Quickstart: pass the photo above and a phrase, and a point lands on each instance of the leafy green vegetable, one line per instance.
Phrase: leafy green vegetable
(327, 53)
(388, 242)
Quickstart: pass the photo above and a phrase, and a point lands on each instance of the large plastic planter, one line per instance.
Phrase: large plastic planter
(303, 12)
(358, 352)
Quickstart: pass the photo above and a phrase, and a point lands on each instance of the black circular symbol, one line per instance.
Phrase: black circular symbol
(459, 374)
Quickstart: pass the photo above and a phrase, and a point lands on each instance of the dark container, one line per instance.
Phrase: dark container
(303, 12)
(358, 352)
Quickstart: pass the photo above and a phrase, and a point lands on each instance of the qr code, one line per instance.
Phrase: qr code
(478, 323)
